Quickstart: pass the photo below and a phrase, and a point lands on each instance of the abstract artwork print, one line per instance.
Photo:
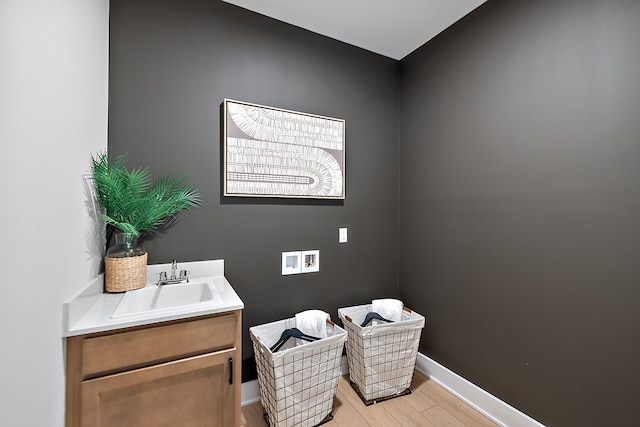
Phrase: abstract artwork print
(271, 152)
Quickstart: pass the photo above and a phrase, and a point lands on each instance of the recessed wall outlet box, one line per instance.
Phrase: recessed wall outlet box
(310, 261)
(291, 262)
(342, 235)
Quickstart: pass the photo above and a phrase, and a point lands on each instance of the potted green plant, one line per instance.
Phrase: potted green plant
(132, 206)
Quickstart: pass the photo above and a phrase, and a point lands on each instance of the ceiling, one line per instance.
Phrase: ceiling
(392, 28)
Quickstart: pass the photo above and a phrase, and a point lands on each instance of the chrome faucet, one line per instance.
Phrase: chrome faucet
(173, 278)
(174, 267)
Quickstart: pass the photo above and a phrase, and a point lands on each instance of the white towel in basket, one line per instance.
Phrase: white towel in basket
(313, 322)
(389, 308)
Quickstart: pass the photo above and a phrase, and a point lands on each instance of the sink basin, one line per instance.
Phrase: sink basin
(180, 297)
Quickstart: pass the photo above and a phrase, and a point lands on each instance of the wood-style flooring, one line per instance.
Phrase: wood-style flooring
(429, 405)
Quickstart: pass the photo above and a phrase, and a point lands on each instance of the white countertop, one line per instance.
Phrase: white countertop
(90, 310)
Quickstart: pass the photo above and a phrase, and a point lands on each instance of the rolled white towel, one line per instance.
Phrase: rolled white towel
(389, 308)
(313, 322)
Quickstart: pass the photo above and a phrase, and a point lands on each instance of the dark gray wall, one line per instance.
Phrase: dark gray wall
(518, 169)
(520, 204)
(171, 65)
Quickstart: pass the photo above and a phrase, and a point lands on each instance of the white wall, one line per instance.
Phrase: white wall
(53, 116)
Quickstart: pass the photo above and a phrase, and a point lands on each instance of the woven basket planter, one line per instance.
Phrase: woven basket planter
(125, 274)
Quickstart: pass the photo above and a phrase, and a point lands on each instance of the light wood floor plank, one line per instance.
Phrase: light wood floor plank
(463, 411)
(442, 418)
(429, 405)
(405, 414)
(345, 413)
(375, 415)
(419, 398)
(251, 415)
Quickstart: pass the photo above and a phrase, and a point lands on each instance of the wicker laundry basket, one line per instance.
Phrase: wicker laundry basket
(381, 357)
(297, 383)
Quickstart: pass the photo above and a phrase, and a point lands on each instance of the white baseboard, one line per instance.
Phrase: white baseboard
(250, 393)
(485, 403)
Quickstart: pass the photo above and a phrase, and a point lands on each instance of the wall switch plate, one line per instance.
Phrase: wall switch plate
(342, 235)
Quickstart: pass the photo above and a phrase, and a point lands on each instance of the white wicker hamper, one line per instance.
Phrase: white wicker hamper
(297, 383)
(381, 357)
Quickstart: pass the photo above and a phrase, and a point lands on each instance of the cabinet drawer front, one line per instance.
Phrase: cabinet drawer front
(138, 348)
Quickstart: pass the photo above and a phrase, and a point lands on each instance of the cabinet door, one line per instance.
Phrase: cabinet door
(192, 392)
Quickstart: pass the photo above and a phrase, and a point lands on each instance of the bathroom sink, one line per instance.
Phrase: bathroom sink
(180, 297)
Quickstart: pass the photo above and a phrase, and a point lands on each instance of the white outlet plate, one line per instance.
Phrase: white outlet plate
(342, 235)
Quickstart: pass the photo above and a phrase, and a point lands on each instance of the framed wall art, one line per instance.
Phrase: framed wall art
(271, 152)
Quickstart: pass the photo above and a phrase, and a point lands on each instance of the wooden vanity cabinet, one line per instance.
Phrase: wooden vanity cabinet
(181, 373)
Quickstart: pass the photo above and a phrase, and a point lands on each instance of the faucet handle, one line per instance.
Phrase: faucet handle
(184, 274)
(162, 277)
